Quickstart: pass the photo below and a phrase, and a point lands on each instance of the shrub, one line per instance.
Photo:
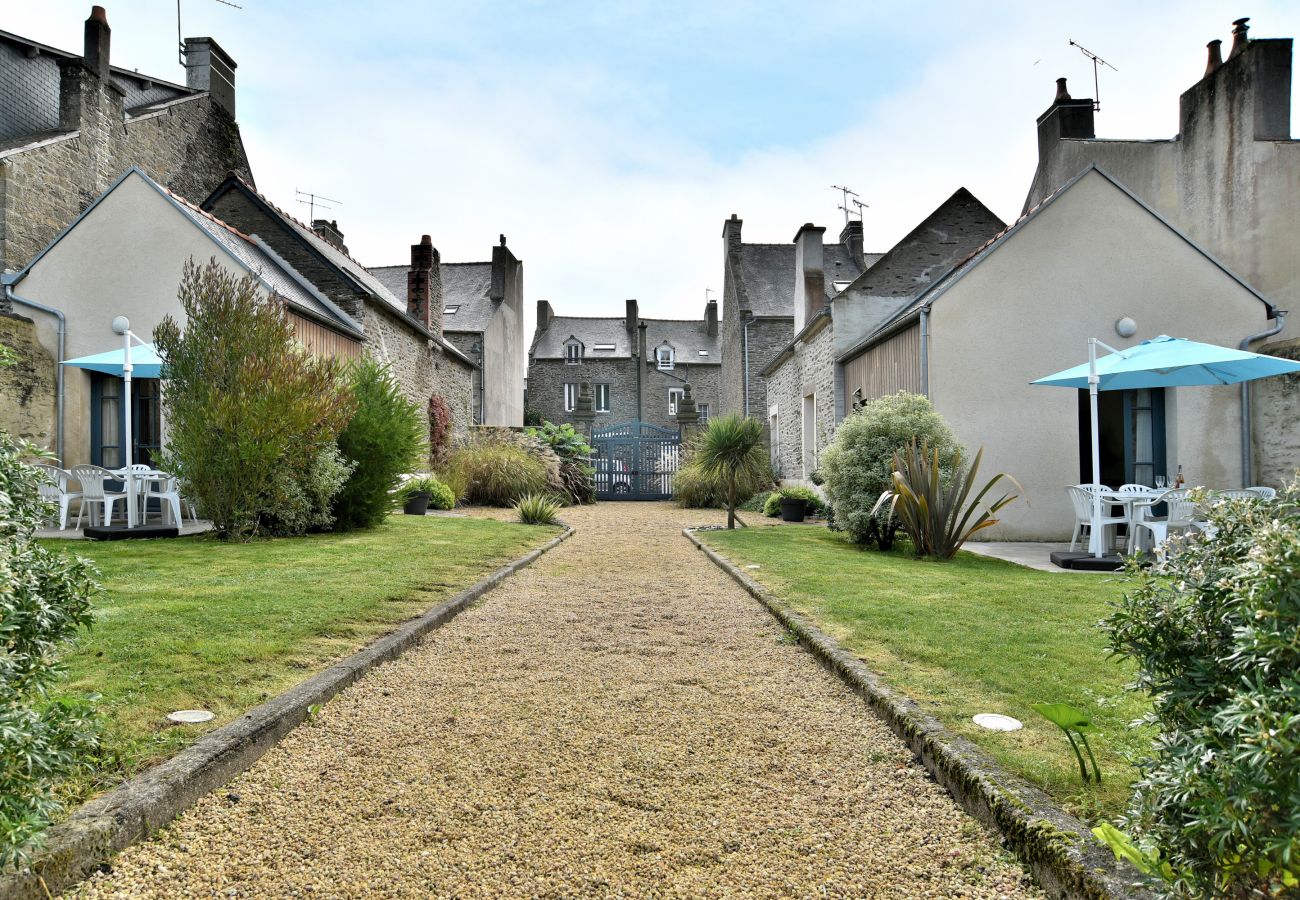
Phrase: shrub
(44, 600)
(729, 458)
(772, 507)
(577, 476)
(691, 490)
(537, 509)
(934, 512)
(497, 473)
(1213, 630)
(249, 411)
(756, 503)
(439, 428)
(306, 504)
(385, 438)
(858, 465)
(440, 495)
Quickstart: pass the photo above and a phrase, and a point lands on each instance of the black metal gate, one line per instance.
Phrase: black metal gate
(635, 461)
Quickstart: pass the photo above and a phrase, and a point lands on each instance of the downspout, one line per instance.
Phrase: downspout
(925, 351)
(63, 334)
(477, 349)
(745, 356)
(1246, 468)
(642, 362)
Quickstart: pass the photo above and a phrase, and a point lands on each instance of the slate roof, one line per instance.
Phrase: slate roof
(466, 285)
(549, 344)
(688, 337)
(767, 274)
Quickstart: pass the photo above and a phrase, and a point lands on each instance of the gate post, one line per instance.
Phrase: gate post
(584, 411)
(688, 414)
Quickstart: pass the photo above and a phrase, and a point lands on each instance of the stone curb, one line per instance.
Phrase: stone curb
(1056, 847)
(137, 808)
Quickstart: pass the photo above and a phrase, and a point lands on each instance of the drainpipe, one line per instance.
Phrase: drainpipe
(642, 362)
(1246, 474)
(58, 374)
(745, 356)
(477, 349)
(925, 351)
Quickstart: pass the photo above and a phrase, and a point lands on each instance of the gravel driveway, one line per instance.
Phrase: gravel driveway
(618, 720)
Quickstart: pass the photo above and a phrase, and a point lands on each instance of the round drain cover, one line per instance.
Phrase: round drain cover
(997, 722)
(190, 716)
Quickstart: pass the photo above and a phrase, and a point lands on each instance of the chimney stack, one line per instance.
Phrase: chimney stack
(1214, 57)
(1239, 29)
(328, 231)
(711, 318)
(851, 240)
(98, 35)
(544, 315)
(809, 274)
(209, 68)
(631, 317)
(1065, 118)
(504, 266)
(731, 234)
(423, 301)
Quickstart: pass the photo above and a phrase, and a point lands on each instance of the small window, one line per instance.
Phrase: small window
(704, 412)
(704, 353)
(573, 351)
(674, 394)
(602, 397)
(840, 285)
(664, 357)
(570, 397)
(603, 348)
(449, 310)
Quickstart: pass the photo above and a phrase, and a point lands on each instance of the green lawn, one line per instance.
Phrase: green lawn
(195, 623)
(968, 636)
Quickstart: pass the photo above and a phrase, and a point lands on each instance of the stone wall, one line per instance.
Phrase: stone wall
(706, 384)
(811, 370)
(421, 367)
(547, 377)
(28, 387)
(1276, 411)
(188, 146)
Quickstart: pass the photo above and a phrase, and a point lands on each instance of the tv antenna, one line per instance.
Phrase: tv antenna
(313, 201)
(844, 203)
(180, 41)
(858, 207)
(1097, 62)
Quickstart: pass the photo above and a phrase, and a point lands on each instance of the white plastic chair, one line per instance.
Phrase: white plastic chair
(164, 489)
(56, 491)
(92, 480)
(1267, 493)
(1236, 494)
(1081, 496)
(1182, 517)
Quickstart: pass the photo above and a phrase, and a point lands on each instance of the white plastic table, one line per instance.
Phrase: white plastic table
(133, 481)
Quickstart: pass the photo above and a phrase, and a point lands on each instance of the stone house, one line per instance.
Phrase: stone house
(759, 308)
(124, 255)
(482, 307)
(406, 333)
(71, 124)
(1092, 260)
(806, 383)
(1230, 179)
(638, 368)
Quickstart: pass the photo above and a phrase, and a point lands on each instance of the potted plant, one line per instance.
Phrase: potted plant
(793, 507)
(795, 503)
(417, 492)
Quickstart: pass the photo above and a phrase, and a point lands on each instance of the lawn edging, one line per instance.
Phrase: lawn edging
(1056, 847)
(140, 806)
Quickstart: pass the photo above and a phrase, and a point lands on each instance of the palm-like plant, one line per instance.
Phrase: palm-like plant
(729, 454)
(932, 508)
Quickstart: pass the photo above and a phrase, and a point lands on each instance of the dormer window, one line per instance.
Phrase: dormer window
(573, 351)
(664, 357)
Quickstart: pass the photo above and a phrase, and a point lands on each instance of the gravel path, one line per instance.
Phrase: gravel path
(618, 720)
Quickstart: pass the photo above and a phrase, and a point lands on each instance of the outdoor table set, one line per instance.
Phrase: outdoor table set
(99, 502)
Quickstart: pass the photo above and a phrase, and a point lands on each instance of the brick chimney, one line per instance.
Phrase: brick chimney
(424, 286)
(851, 240)
(731, 234)
(711, 318)
(544, 315)
(328, 231)
(632, 315)
(1065, 118)
(809, 274)
(1244, 98)
(209, 68)
(89, 101)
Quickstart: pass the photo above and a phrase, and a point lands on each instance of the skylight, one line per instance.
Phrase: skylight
(840, 285)
(704, 353)
(606, 347)
(449, 310)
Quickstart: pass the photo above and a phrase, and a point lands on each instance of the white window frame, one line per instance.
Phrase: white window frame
(572, 352)
(674, 395)
(704, 411)
(665, 363)
(570, 396)
(600, 392)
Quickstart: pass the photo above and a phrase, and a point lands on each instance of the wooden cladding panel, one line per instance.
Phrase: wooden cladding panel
(321, 341)
(886, 368)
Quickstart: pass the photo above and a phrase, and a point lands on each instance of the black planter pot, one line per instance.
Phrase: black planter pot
(417, 504)
(793, 509)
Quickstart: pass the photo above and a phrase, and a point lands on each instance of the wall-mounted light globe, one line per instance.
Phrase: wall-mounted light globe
(121, 325)
(1126, 327)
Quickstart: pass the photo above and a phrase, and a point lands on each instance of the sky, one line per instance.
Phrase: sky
(609, 141)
